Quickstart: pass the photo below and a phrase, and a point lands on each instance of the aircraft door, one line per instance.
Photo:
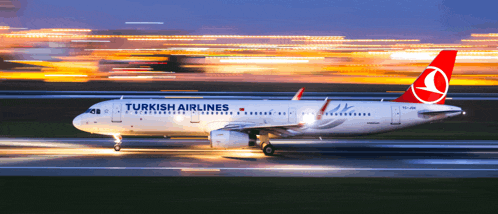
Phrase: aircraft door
(395, 115)
(292, 115)
(116, 112)
(195, 117)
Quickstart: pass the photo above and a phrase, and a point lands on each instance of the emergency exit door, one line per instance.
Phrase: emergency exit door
(395, 115)
(195, 117)
(116, 112)
(292, 115)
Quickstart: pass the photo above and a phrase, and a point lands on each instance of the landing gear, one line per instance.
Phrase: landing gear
(117, 146)
(268, 149)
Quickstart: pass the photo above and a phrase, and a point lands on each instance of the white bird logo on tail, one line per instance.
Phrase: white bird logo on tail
(430, 85)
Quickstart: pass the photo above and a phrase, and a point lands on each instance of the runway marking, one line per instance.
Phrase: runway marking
(200, 170)
(254, 169)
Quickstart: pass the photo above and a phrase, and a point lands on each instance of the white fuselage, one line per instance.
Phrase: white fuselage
(168, 117)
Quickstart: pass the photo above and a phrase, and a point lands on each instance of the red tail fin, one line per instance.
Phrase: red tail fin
(432, 85)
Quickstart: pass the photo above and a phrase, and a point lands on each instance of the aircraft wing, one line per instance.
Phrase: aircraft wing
(276, 129)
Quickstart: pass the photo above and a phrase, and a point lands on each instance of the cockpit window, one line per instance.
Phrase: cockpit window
(93, 111)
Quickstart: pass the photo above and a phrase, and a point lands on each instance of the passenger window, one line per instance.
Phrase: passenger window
(238, 113)
(269, 113)
(183, 113)
(279, 113)
(250, 113)
(174, 112)
(246, 113)
(368, 114)
(284, 113)
(230, 113)
(340, 114)
(265, 113)
(216, 113)
(364, 114)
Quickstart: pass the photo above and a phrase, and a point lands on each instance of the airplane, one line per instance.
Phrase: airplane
(239, 123)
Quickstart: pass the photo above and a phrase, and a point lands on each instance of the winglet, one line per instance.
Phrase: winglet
(322, 109)
(299, 94)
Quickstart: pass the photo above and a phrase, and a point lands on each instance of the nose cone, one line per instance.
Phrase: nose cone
(77, 122)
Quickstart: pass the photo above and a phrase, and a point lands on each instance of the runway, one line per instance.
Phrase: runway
(312, 158)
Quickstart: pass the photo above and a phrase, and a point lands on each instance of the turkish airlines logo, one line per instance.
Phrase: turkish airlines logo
(434, 87)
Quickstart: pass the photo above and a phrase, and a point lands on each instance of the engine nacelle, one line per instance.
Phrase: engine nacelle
(228, 139)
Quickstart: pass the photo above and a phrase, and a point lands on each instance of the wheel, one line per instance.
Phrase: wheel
(117, 147)
(268, 150)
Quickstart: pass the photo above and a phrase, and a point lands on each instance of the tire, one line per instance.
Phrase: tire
(268, 150)
(117, 147)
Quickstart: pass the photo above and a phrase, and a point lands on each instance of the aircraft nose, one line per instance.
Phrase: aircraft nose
(77, 122)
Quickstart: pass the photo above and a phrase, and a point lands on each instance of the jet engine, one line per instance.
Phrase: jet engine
(228, 139)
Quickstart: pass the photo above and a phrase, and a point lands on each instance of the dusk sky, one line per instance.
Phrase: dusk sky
(430, 21)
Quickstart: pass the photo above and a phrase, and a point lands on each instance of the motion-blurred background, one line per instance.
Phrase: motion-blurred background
(275, 46)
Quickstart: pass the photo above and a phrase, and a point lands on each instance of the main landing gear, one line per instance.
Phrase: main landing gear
(117, 146)
(268, 149)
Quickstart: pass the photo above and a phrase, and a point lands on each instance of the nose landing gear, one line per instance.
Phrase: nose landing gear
(118, 139)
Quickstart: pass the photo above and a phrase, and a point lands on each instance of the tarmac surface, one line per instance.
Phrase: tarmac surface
(293, 158)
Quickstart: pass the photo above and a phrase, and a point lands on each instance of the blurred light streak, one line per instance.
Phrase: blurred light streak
(145, 69)
(166, 39)
(263, 61)
(430, 56)
(360, 40)
(180, 97)
(485, 35)
(65, 75)
(70, 30)
(479, 40)
(142, 77)
(90, 41)
(200, 170)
